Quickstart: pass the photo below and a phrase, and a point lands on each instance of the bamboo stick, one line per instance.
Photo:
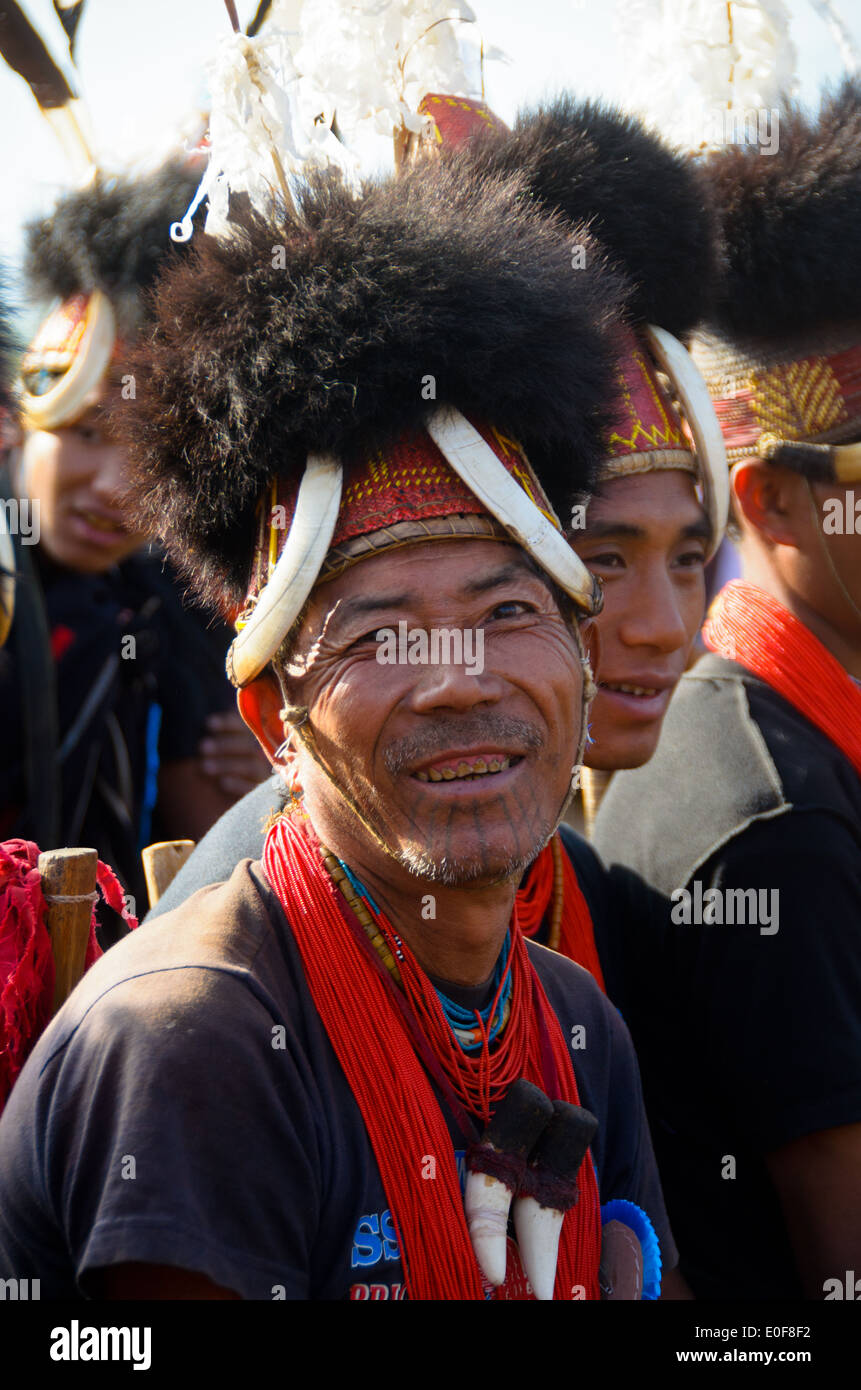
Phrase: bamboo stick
(162, 862)
(68, 883)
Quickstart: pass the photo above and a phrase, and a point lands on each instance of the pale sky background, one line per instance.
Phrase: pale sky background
(141, 68)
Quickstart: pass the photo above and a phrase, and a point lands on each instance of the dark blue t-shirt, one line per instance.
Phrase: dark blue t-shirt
(186, 1107)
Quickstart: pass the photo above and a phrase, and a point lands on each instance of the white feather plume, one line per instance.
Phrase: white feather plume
(839, 31)
(261, 137)
(699, 68)
(374, 60)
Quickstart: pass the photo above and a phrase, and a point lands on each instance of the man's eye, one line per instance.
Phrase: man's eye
(366, 637)
(610, 560)
(512, 608)
(88, 434)
(692, 559)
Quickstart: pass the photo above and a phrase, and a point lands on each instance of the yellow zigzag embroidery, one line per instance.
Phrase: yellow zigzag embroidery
(655, 436)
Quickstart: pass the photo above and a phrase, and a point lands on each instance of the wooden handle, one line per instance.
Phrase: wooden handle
(68, 874)
(161, 863)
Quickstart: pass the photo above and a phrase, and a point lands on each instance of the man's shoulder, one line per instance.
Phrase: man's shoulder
(238, 834)
(591, 873)
(220, 940)
(574, 995)
(733, 756)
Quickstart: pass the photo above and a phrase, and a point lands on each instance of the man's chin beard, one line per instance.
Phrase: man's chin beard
(470, 870)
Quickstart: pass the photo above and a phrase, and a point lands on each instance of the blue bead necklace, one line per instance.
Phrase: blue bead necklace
(463, 1022)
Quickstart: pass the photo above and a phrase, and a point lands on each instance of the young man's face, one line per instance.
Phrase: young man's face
(646, 538)
(76, 473)
(832, 574)
(409, 742)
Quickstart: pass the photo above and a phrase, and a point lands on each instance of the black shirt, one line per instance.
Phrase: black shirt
(186, 1107)
(748, 1034)
(135, 672)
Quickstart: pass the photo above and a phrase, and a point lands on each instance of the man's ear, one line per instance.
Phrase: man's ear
(260, 704)
(765, 496)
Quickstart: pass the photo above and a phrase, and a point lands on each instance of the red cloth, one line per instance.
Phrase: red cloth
(26, 959)
(26, 962)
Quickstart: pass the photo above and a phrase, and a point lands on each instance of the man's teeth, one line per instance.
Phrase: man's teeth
(100, 523)
(479, 768)
(633, 689)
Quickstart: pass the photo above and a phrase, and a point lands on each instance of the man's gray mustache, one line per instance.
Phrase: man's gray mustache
(489, 729)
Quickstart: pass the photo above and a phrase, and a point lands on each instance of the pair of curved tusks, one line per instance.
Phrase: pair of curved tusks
(530, 1153)
(313, 526)
(319, 498)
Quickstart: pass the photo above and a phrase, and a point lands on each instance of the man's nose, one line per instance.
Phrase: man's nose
(110, 481)
(656, 619)
(454, 685)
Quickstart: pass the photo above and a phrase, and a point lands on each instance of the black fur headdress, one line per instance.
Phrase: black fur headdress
(111, 236)
(642, 201)
(316, 333)
(789, 222)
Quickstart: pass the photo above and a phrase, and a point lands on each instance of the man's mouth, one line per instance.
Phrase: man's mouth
(103, 523)
(640, 701)
(644, 691)
(466, 768)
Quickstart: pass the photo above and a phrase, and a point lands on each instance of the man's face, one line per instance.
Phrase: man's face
(833, 580)
(408, 742)
(76, 473)
(646, 538)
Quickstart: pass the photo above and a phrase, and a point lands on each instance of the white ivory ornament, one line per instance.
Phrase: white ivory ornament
(487, 1202)
(538, 1230)
(674, 359)
(294, 576)
(486, 476)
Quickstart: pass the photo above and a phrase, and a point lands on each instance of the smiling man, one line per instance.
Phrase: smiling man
(659, 508)
(364, 995)
(646, 538)
(466, 794)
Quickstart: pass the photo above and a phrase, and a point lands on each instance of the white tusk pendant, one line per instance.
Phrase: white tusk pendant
(496, 1166)
(548, 1190)
(488, 1202)
(538, 1230)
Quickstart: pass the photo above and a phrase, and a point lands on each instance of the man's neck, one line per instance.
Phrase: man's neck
(455, 934)
(757, 571)
(462, 942)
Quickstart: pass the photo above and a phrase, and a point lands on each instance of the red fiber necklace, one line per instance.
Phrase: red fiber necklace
(380, 1054)
(747, 625)
(551, 882)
